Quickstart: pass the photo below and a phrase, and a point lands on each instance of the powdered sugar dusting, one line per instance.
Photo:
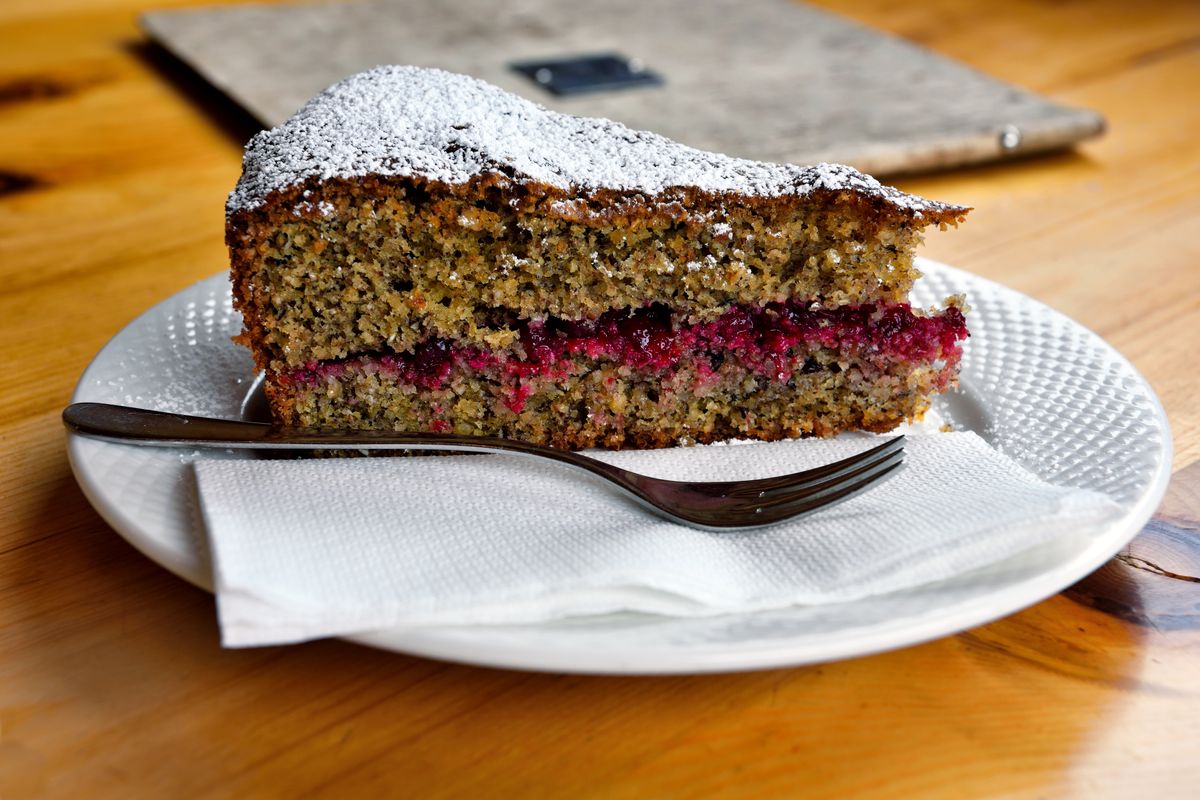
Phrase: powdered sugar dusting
(410, 121)
(305, 208)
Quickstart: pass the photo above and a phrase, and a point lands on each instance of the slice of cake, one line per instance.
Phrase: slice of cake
(421, 251)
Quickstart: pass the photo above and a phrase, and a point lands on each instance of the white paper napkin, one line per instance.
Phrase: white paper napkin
(313, 548)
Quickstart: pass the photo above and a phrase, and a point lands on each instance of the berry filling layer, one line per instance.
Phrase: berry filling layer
(774, 341)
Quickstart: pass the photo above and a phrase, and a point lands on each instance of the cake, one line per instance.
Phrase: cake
(421, 251)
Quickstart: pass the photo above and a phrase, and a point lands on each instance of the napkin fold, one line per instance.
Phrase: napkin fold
(304, 549)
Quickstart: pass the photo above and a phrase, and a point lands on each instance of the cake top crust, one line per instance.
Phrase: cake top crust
(443, 127)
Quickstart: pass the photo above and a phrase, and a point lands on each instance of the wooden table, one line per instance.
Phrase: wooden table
(113, 168)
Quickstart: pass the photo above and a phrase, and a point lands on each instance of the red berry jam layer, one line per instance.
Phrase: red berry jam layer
(769, 340)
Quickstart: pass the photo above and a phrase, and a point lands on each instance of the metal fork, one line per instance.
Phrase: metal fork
(714, 506)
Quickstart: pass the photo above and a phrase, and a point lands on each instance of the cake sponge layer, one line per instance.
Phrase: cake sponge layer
(641, 377)
(603, 404)
(379, 263)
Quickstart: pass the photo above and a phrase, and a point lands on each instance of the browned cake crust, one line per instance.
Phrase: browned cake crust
(471, 296)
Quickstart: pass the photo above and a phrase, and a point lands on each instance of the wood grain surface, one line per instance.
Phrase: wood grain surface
(114, 163)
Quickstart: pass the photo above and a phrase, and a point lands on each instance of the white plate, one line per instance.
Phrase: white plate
(1035, 384)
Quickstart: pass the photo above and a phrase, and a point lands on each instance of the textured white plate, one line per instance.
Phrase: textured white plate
(1035, 384)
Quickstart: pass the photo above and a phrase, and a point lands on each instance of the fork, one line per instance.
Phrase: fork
(715, 506)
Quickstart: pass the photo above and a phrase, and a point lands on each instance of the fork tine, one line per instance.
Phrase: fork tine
(807, 505)
(838, 469)
(768, 486)
(817, 489)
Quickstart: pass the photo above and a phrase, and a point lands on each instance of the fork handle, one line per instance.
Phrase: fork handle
(164, 429)
(127, 425)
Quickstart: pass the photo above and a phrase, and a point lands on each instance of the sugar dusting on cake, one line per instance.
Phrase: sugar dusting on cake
(449, 128)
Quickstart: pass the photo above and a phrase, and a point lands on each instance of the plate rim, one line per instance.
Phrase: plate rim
(453, 643)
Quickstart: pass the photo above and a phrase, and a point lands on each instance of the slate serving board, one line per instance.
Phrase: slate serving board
(765, 79)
